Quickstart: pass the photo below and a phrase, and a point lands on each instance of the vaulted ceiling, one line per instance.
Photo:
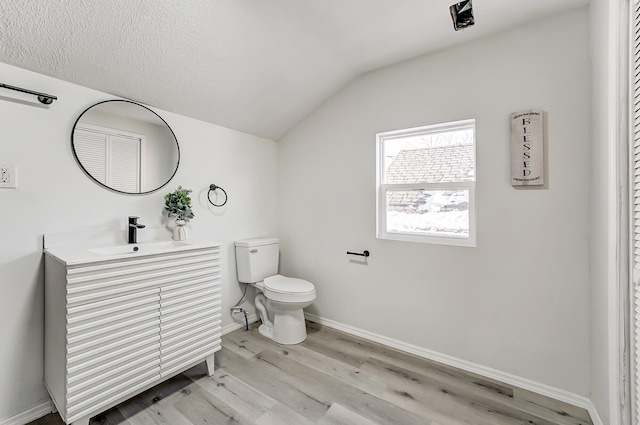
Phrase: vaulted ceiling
(257, 66)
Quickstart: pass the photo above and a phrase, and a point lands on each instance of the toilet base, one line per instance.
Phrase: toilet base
(288, 326)
(266, 331)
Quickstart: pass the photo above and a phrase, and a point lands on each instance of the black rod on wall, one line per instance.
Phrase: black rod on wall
(364, 253)
(47, 99)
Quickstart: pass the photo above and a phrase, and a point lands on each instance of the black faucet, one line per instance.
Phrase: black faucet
(132, 234)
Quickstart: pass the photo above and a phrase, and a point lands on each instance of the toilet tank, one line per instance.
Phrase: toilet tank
(257, 259)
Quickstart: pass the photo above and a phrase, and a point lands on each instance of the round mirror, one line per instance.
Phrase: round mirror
(125, 147)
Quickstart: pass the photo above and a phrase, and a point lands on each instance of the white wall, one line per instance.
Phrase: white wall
(519, 302)
(54, 195)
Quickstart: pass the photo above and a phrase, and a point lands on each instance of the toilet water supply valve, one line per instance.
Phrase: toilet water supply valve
(236, 310)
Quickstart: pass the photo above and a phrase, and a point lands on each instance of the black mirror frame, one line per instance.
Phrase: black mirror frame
(75, 155)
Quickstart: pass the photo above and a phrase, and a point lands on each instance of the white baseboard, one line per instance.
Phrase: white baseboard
(29, 415)
(507, 378)
(236, 325)
(593, 412)
(46, 407)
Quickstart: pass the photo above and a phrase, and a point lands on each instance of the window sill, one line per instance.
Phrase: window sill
(436, 240)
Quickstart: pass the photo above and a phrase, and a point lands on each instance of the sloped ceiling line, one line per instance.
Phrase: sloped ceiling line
(254, 66)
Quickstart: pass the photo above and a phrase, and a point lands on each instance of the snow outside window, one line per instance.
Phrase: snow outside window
(426, 184)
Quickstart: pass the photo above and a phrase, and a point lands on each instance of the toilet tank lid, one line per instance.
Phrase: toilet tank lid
(257, 242)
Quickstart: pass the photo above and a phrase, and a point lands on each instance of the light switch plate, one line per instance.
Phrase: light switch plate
(8, 176)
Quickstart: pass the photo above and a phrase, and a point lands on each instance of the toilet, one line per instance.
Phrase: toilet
(279, 299)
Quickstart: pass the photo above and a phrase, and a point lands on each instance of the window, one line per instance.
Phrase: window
(426, 184)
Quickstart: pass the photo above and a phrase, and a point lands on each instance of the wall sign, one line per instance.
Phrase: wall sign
(527, 148)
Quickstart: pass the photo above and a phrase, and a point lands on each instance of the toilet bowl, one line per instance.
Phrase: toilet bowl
(280, 300)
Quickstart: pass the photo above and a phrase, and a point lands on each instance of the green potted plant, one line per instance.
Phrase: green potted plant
(178, 204)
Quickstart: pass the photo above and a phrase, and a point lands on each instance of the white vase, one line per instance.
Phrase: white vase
(180, 233)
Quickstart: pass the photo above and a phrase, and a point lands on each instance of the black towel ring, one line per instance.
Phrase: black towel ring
(213, 188)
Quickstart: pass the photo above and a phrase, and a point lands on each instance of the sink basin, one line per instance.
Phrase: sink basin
(139, 248)
(80, 248)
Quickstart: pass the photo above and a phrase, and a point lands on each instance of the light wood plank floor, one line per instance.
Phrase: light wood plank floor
(330, 379)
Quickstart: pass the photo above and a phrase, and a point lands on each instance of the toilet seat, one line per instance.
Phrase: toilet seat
(288, 289)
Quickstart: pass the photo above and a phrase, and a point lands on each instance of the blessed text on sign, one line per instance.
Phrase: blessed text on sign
(527, 148)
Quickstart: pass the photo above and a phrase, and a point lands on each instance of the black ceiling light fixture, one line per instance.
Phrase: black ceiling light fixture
(462, 15)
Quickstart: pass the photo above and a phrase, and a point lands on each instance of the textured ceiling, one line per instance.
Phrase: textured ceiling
(258, 66)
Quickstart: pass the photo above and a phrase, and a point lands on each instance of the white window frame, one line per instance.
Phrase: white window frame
(383, 188)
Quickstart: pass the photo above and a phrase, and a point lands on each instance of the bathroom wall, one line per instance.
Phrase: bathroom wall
(519, 301)
(54, 195)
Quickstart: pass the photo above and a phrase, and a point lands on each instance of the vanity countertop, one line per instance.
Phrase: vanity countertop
(74, 255)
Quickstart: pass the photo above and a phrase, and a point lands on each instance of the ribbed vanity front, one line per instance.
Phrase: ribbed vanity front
(117, 327)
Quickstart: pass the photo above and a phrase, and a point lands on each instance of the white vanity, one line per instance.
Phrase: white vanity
(119, 320)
